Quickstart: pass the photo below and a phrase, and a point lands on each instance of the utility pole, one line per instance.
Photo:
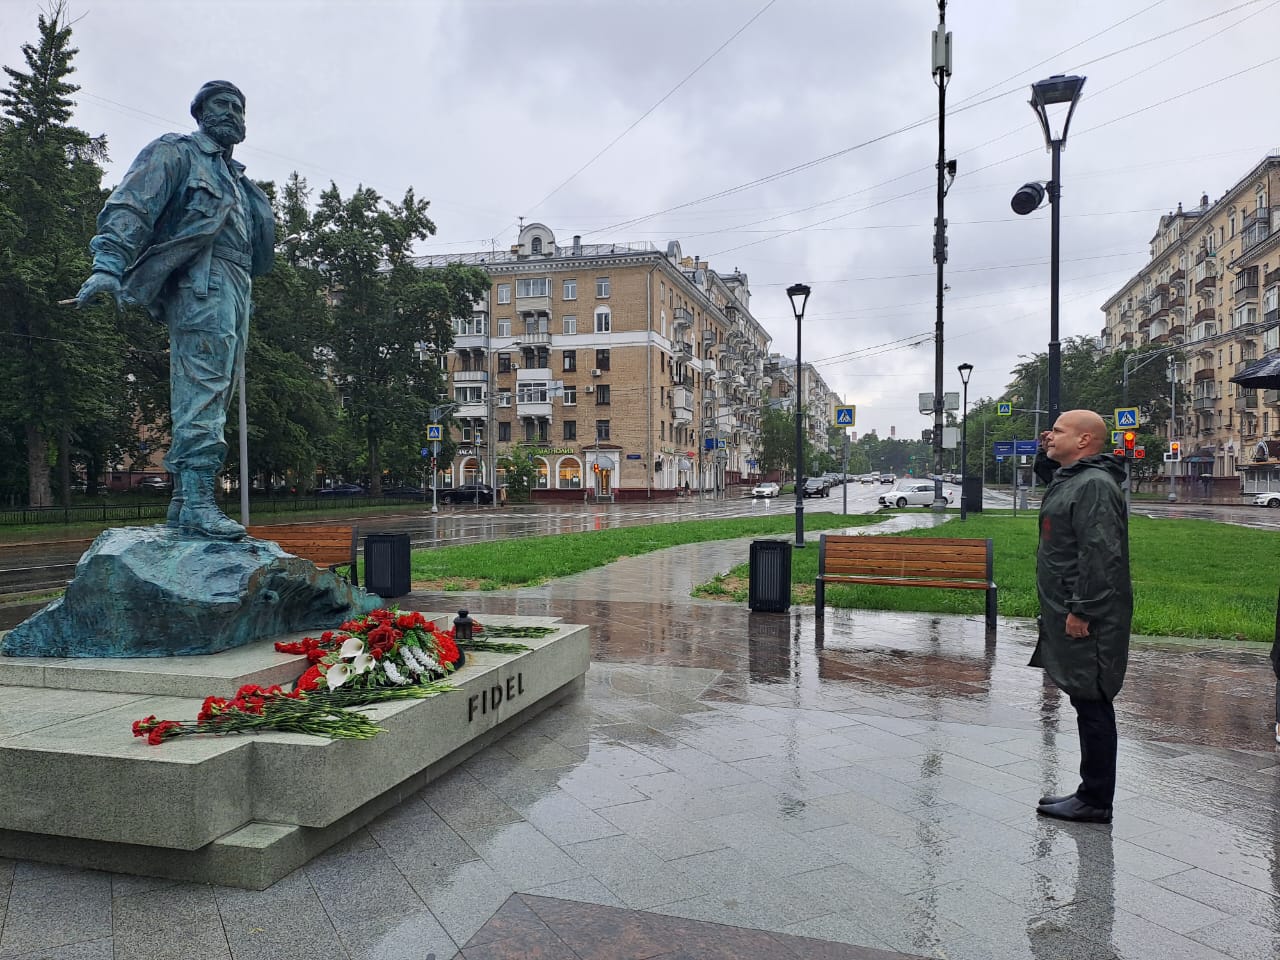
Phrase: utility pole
(946, 172)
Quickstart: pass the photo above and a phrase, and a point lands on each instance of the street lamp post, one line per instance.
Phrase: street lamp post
(966, 369)
(1063, 93)
(799, 296)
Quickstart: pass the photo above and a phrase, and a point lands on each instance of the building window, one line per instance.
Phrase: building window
(570, 325)
(504, 363)
(570, 361)
(602, 287)
(504, 432)
(469, 394)
(536, 246)
(571, 429)
(569, 291)
(570, 398)
(604, 320)
(504, 293)
(602, 359)
(533, 287)
(602, 429)
(602, 395)
(504, 327)
(570, 474)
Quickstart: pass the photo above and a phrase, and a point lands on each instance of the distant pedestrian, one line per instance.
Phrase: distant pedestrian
(1086, 599)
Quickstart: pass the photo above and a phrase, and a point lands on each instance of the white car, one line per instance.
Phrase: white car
(917, 493)
(1267, 499)
(766, 489)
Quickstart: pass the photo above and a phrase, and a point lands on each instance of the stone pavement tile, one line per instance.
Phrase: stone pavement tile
(634, 875)
(360, 885)
(564, 819)
(1216, 852)
(684, 759)
(55, 911)
(461, 896)
(622, 760)
(584, 889)
(843, 928)
(523, 856)
(780, 852)
(885, 790)
(597, 788)
(651, 825)
(466, 804)
(283, 922)
(413, 833)
(1238, 900)
(1137, 937)
(540, 752)
(687, 799)
(85, 950)
(409, 934)
(903, 829)
(178, 921)
(1240, 939)
(513, 919)
(543, 945)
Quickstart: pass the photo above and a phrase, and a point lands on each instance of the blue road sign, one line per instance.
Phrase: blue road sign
(1025, 448)
(1004, 409)
(844, 416)
(435, 431)
(426, 452)
(1002, 448)
(1127, 418)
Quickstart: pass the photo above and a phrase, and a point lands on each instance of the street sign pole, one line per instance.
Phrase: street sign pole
(435, 452)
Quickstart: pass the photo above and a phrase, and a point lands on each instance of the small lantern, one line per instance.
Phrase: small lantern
(463, 626)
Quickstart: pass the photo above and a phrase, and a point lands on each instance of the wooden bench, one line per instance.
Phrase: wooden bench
(324, 544)
(959, 564)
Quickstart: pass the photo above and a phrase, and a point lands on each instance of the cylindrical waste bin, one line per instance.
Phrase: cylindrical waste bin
(973, 494)
(386, 564)
(769, 588)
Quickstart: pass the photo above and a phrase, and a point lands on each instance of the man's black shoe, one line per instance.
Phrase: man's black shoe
(1073, 809)
(1050, 801)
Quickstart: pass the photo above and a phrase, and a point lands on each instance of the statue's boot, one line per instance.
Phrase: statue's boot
(174, 517)
(200, 515)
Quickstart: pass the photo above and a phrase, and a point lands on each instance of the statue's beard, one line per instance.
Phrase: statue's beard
(226, 131)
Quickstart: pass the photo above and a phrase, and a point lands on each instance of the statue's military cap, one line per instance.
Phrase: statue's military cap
(209, 89)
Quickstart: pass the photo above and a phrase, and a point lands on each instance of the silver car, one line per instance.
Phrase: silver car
(1267, 499)
(915, 493)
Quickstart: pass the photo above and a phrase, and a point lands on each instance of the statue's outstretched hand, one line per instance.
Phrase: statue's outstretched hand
(97, 285)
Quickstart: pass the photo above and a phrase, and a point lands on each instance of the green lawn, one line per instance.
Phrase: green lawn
(1191, 578)
(534, 560)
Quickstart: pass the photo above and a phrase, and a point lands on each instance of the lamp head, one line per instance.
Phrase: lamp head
(1028, 198)
(1054, 101)
(965, 369)
(799, 294)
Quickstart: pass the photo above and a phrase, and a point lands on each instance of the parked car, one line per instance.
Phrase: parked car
(815, 487)
(1267, 499)
(405, 491)
(467, 493)
(914, 493)
(155, 485)
(833, 479)
(342, 490)
(766, 489)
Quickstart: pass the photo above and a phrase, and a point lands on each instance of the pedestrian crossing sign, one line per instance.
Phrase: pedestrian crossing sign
(1004, 409)
(845, 416)
(435, 431)
(1127, 418)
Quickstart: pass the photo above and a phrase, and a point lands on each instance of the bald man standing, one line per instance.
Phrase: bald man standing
(1086, 599)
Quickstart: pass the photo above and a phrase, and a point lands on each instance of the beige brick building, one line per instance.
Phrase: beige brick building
(641, 362)
(1211, 294)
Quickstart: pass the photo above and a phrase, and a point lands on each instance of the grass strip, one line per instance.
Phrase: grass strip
(530, 561)
(1191, 578)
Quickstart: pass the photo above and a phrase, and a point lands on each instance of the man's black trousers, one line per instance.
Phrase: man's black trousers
(1096, 720)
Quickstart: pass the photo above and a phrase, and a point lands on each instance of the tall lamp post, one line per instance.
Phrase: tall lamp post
(799, 295)
(1061, 93)
(966, 369)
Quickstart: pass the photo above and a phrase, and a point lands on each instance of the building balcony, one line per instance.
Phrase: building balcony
(1203, 403)
(1177, 330)
(1247, 402)
(537, 409)
(1144, 323)
(1179, 274)
(1271, 317)
(1243, 362)
(1255, 216)
(1271, 397)
(1272, 276)
(1206, 313)
(682, 404)
(535, 338)
(1206, 374)
(533, 305)
(472, 411)
(471, 376)
(1245, 292)
(1126, 338)
(682, 318)
(1160, 338)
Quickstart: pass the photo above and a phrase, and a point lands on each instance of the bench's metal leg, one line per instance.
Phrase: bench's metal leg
(991, 608)
(819, 597)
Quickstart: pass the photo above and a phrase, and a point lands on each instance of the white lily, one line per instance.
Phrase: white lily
(337, 674)
(362, 664)
(351, 647)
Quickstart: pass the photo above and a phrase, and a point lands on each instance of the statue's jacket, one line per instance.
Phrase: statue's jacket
(160, 224)
(1082, 567)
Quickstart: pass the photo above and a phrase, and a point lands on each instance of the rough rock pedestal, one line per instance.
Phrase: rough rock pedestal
(155, 592)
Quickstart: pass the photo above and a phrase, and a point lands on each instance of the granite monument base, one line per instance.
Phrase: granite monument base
(238, 810)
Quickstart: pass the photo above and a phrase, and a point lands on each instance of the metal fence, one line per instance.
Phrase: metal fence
(116, 512)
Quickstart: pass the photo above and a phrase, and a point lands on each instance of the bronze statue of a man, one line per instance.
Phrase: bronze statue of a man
(182, 235)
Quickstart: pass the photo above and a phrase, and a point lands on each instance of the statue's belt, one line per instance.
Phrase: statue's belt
(240, 258)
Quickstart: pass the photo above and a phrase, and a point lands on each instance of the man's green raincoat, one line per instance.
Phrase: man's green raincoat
(1082, 567)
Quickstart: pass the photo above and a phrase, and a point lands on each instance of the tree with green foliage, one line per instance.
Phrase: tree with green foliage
(62, 368)
(386, 309)
(777, 442)
(521, 473)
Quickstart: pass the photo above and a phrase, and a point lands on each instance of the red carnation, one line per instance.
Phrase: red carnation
(310, 679)
(447, 649)
(142, 727)
(162, 731)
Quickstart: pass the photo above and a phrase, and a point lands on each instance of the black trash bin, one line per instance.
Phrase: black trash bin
(386, 564)
(769, 588)
(973, 494)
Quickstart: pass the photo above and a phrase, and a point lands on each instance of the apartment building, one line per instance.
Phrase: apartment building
(1211, 294)
(819, 401)
(624, 371)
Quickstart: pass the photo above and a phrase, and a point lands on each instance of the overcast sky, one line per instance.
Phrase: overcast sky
(492, 108)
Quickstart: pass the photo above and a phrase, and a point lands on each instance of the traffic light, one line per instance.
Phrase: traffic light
(1175, 450)
(595, 468)
(1130, 440)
